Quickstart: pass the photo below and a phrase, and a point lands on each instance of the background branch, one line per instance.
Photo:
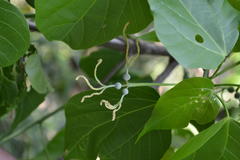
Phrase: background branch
(120, 45)
(168, 70)
(146, 48)
(114, 70)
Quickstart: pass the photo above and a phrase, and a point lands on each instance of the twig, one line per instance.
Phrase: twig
(145, 47)
(113, 71)
(227, 85)
(226, 69)
(219, 66)
(19, 132)
(206, 73)
(170, 67)
(120, 45)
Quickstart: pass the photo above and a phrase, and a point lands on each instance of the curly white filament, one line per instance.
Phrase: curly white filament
(115, 107)
(95, 72)
(118, 108)
(91, 95)
(88, 83)
(108, 105)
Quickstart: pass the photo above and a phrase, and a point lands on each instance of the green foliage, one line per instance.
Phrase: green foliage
(191, 99)
(14, 34)
(30, 101)
(8, 93)
(235, 4)
(91, 133)
(92, 22)
(150, 36)
(168, 154)
(54, 148)
(110, 60)
(36, 75)
(196, 33)
(220, 141)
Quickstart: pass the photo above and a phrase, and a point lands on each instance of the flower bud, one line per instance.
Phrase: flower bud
(126, 77)
(118, 85)
(125, 91)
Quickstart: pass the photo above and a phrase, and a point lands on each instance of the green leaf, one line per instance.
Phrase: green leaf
(168, 154)
(14, 34)
(150, 36)
(31, 3)
(219, 142)
(237, 45)
(29, 103)
(92, 22)
(191, 99)
(55, 148)
(8, 94)
(196, 33)
(90, 131)
(235, 4)
(110, 60)
(36, 74)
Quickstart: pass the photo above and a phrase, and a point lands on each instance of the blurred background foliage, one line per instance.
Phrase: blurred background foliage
(62, 64)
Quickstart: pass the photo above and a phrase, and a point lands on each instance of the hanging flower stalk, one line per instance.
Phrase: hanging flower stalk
(100, 90)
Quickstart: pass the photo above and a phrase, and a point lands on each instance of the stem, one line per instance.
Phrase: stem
(19, 132)
(148, 84)
(219, 67)
(227, 85)
(226, 69)
(224, 106)
(206, 73)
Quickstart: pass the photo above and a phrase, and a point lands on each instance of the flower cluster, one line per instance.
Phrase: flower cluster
(113, 107)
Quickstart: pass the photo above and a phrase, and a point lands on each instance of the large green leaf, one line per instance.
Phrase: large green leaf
(14, 34)
(150, 36)
(36, 74)
(191, 99)
(197, 33)
(219, 142)
(235, 3)
(55, 148)
(85, 23)
(110, 60)
(30, 101)
(8, 93)
(91, 133)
